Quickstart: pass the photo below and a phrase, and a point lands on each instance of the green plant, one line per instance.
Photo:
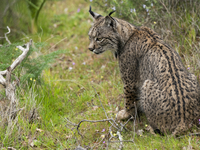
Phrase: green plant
(32, 66)
(35, 7)
(21, 16)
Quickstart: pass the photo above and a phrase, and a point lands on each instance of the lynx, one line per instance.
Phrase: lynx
(155, 80)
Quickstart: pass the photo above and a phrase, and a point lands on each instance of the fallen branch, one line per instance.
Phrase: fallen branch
(10, 87)
(93, 121)
(115, 125)
(120, 140)
(17, 61)
(118, 127)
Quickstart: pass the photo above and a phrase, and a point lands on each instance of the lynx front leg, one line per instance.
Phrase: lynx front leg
(130, 99)
(130, 76)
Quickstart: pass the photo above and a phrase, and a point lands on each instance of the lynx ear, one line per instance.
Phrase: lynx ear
(110, 22)
(93, 14)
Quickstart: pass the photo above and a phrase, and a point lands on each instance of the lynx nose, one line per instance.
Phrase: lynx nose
(91, 49)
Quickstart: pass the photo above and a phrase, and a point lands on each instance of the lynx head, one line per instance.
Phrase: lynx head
(103, 34)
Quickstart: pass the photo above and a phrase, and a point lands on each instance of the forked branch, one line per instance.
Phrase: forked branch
(10, 86)
(16, 62)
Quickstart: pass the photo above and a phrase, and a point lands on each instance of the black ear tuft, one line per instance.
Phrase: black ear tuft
(115, 53)
(111, 13)
(110, 20)
(91, 12)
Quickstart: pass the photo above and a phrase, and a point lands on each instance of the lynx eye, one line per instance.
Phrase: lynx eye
(99, 39)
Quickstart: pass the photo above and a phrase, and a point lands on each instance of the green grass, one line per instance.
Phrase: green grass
(71, 94)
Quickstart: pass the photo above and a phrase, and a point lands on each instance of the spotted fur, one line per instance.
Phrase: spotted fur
(152, 72)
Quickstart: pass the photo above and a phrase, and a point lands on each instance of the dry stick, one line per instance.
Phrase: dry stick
(120, 140)
(57, 43)
(100, 102)
(97, 143)
(118, 132)
(93, 121)
(73, 124)
(18, 60)
(126, 122)
(6, 35)
(116, 125)
(70, 122)
(10, 89)
(110, 120)
(110, 132)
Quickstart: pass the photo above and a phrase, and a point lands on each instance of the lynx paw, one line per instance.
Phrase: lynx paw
(150, 129)
(123, 115)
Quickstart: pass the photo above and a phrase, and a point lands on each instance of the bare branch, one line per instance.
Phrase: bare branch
(70, 122)
(101, 103)
(16, 62)
(115, 125)
(6, 35)
(118, 127)
(93, 121)
(120, 140)
(2, 80)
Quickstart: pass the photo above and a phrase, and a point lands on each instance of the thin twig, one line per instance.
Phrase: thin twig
(120, 140)
(6, 35)
(97, 143)
(93, 121)
(127, 122)
(57, 43)
(115, 125)
(70, 122)
(19, 59)
(100, 102)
